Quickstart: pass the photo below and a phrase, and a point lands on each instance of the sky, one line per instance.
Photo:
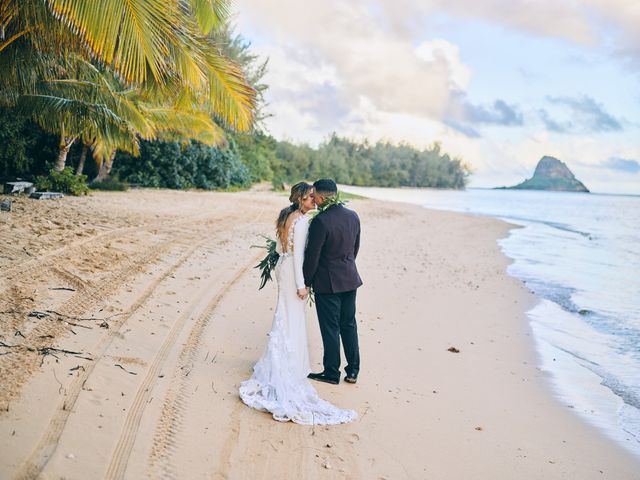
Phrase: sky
(499, 83)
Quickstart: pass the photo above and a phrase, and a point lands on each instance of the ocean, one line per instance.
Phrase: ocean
(580, 254)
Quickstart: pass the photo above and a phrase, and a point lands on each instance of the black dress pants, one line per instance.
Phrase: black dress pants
(337, 318)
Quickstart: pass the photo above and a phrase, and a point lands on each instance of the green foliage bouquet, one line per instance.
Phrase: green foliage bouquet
(268, 263)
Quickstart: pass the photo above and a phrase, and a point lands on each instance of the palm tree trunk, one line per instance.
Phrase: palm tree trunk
(65, 146)
(105, 168)
(83, 157)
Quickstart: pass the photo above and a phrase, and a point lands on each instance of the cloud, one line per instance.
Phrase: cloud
(500, 113)
(551, 18)
(369, 60)
(590, 112)
(463, 115)
(441, 50)
(304, 95)
(612, 24)
(622, 164)
(587, 116)
(369, 48)
(621, 17)
(466, 130)
(554, 125)
(339, 65)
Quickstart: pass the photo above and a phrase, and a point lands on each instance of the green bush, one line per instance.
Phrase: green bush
(279, 184)
(258, 153)
(64, 181)
(183, 165)
(110, 184)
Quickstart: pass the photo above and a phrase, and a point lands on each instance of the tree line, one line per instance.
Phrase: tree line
(245, 158)
(258, 157)
(381, 164)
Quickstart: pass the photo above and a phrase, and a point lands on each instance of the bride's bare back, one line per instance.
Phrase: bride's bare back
(287, 226)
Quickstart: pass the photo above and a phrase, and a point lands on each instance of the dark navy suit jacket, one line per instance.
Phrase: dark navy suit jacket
(332, 247)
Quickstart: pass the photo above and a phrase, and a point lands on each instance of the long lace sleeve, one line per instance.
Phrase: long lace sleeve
(300, 232)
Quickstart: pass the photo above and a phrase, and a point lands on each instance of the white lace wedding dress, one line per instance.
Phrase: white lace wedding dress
(279, 382)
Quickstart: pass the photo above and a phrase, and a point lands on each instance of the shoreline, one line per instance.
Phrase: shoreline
(181, 272)
(566, 371)
(559, 364)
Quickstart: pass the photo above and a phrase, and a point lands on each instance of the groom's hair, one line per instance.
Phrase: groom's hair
(325, 187)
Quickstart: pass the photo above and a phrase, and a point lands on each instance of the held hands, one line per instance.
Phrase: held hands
(303, 293)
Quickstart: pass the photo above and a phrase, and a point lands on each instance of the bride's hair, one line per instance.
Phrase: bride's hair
(298, 192)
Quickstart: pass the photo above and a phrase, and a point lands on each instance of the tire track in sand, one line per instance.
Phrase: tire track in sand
(122, 452)
(171, 418)
(38, 458)
(18, 368)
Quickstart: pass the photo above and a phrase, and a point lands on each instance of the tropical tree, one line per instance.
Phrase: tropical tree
(86, 103)
(154, 56)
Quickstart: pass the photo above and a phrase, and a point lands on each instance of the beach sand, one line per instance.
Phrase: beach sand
(154, 297)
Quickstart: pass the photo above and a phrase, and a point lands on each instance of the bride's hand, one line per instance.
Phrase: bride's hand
(303, 293)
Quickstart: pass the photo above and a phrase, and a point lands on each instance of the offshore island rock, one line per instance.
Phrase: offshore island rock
(552, 174)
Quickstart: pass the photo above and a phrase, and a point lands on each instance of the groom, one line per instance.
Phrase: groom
(330, 268)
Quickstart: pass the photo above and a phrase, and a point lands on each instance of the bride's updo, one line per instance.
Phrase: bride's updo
(298, 192)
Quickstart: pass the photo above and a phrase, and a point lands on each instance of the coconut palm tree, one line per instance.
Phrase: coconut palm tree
(88, 103)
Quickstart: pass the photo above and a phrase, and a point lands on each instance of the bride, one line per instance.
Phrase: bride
(279, 382)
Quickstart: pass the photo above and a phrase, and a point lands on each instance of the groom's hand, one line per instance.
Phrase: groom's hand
(303, 293)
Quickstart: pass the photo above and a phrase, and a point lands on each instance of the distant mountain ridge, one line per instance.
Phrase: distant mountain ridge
(552, 174)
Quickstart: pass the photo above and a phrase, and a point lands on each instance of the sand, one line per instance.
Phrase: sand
(153, 295)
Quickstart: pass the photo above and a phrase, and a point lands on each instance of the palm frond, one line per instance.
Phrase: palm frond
(210, 14)
(7, 42)
(186, 124)
(95, 123)
(131, 35)
(55, 113)
(232, 98)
